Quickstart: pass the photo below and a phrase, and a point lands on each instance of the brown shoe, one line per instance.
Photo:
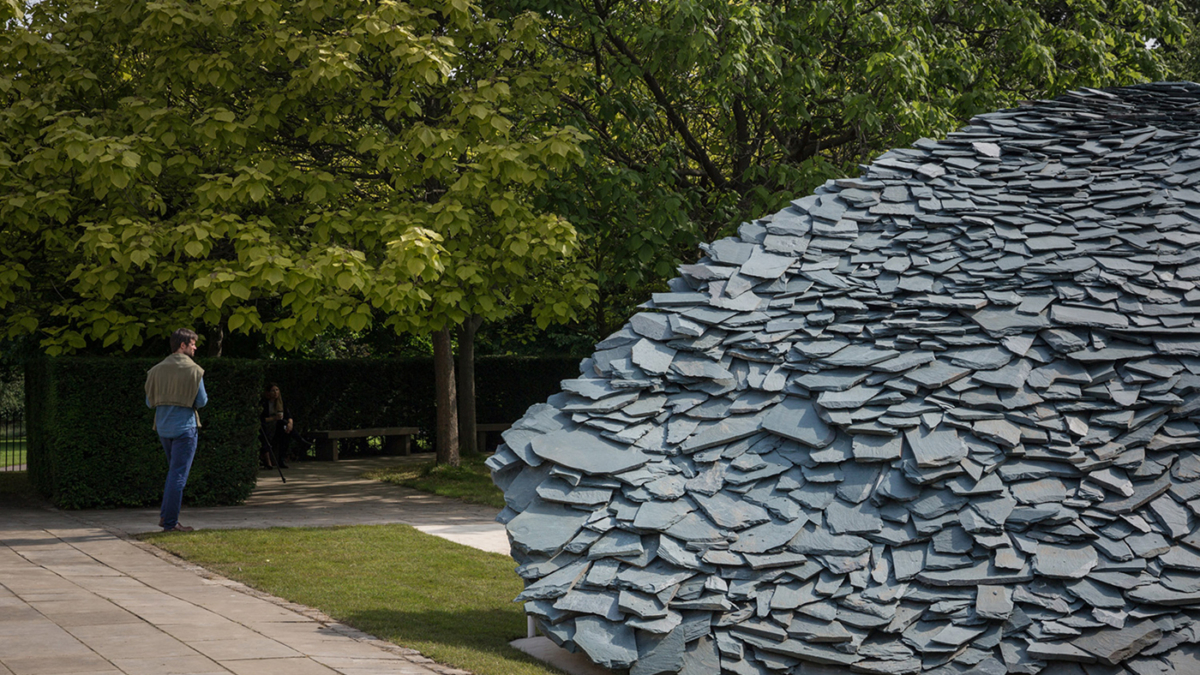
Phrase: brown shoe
(179, 528)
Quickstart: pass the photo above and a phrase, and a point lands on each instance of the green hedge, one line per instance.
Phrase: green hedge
(359, 393)
(505, 386)
(356, 393)
(91, 442)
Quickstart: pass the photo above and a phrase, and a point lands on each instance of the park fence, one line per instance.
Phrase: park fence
(12, 442)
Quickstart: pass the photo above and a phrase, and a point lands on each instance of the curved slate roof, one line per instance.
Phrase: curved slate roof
(936, 419)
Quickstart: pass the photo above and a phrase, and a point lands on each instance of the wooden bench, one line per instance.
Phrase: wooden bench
(396, 440)
(481, 432)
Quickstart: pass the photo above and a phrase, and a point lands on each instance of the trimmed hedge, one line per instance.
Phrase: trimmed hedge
(91, 442)
(361, 393)
(91, 438)
(505, 386)
(356, 393)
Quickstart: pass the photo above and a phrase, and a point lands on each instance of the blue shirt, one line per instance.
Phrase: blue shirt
(173, 421)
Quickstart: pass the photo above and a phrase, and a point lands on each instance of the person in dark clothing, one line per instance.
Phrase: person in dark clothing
(277, 427)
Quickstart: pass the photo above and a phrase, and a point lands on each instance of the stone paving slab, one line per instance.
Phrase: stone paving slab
(79, 599)
(78, 596)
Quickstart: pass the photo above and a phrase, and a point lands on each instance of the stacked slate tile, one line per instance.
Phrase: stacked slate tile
(935, 419)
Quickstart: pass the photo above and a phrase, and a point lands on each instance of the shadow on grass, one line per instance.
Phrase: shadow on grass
(475, 640)
(471, 482)
(477, 629)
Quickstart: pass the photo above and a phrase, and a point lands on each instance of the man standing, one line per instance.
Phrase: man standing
(175, 389)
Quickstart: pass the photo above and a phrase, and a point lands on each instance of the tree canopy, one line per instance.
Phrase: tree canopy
(706, 113)
(297, 167)
(1185, 57)
(284, 167)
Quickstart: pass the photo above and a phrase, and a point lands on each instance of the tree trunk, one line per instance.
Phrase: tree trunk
(216, 338)
(465, 376)
(447, 413)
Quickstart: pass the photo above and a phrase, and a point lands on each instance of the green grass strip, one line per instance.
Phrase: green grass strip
(451, 602)
(471, 482)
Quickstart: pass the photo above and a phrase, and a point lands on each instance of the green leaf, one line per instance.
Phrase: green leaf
(218, 297)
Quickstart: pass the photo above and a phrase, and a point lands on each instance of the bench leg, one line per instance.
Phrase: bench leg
(481, 442)
(327, 450)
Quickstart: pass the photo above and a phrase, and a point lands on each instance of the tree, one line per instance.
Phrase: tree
(707, 113)
(1184, 57)
(283, 167)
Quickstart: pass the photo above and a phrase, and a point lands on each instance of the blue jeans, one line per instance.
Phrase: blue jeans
(180, 452)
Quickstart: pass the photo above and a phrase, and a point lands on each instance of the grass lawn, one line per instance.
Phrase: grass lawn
(451, 602)
(471, 482)
(12, 453)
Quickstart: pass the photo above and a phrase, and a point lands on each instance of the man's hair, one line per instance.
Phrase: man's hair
(181, 337)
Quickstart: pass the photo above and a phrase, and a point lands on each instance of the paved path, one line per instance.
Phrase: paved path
(78, 596)
(319, 494)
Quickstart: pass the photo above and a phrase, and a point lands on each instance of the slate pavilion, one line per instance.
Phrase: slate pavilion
(937, 419)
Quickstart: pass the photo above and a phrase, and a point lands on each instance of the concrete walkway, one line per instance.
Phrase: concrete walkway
(320, 494)
(79, 596)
